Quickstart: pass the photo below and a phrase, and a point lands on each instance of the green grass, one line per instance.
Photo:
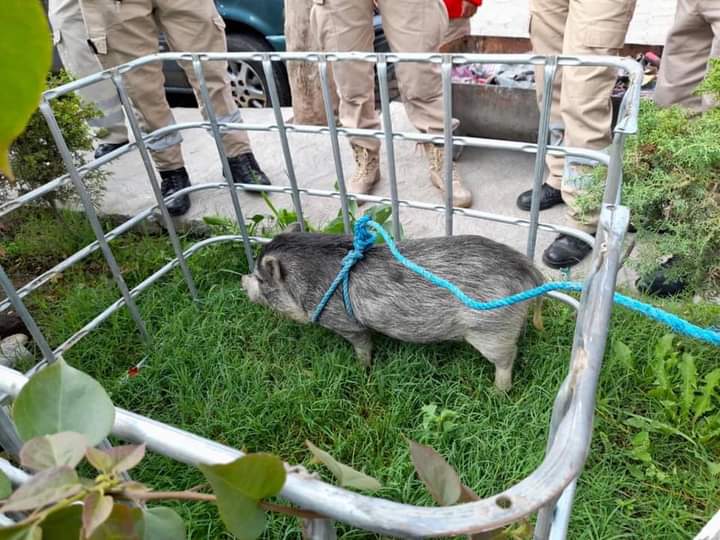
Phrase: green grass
(236, 373)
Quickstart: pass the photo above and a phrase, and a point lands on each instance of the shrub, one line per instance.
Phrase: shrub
(672, 187)
(35, 159)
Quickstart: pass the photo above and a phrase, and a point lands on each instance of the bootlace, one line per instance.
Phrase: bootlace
(437, 155)
(364, 162)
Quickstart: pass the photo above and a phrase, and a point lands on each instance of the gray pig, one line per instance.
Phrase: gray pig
(295, 269)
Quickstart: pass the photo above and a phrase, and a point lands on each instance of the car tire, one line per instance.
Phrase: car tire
(250, 87)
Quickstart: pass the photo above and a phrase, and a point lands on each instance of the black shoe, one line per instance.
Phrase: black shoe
(565, 251)
(549, 197)
(173, 181)
(658, 283)
(245, 170)
(106, 148)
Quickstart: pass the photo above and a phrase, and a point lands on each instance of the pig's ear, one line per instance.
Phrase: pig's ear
(273, 268)
(293, 228)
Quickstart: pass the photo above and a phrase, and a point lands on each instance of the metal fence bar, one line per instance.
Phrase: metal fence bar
(613, 187)
(389, 142)
(627, 64)
(9, 438)
(25, 316)
(284, 143)
(563, 509)
(549, 72)
(445, 70)
(560, 408)
(145, 155)
(142, 286)
(571, 424)
(332, 128)
(217, 137)
(92, 217)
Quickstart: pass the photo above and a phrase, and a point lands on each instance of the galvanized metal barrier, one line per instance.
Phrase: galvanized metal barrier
(549, 490)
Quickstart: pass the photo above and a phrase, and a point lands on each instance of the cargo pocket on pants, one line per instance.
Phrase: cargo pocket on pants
(608, 38)
(98, 44)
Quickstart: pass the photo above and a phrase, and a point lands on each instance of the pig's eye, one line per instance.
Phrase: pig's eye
(259, 279)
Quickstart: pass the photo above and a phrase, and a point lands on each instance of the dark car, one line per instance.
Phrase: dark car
(252, 25)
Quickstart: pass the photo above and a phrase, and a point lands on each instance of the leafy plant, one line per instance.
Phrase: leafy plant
(36, 160)
(672, 186)
(62, 413)
(436, 424)
(25, 56)
(687, 406)
(281, 218)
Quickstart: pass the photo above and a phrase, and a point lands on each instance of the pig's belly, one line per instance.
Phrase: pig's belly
(419, 334)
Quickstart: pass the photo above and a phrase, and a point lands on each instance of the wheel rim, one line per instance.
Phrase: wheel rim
(247, 86)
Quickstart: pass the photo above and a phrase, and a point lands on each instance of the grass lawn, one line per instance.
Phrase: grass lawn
(235, 372)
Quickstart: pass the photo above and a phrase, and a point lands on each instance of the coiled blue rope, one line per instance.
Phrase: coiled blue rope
(365, 239)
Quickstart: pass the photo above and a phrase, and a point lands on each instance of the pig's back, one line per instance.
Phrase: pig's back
(395, 301)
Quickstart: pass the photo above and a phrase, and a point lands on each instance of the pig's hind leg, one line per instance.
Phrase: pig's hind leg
(362, 342)
(500, 352)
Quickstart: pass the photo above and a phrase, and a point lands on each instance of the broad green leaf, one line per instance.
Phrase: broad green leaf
(25, 57)
(688, 372)
(28, 531)
(346, 476)
(163, 524)
(641, 447)
(714, 468)
(438, 475)
(117, 459)
(703, 403)
(48, 451)
(124, 523)
(5, 486)
(63, 524)
(664, 346)
(96, 509)
(99, 459)
(622, 354)
(46, 487)
(62, 398)
(239, 486)
(662, 380)
(256, 476)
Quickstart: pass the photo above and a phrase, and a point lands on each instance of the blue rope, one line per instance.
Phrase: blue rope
(364, 239)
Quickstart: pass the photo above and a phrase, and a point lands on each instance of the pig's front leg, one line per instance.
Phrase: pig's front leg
(362, 342)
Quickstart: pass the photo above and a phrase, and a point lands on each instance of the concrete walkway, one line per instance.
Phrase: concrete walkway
(495, 178)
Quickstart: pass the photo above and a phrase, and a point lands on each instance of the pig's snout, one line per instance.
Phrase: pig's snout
(252, 287)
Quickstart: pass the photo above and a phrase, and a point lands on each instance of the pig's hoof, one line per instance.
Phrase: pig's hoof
(503, 383)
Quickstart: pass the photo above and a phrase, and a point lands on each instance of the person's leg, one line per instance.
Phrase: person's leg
(684, 59)
(420, 26)
(594, 27)
(457, 28)
(547, 30)
(123, 31)
(346, 25)
(196, 26)
(70, 38)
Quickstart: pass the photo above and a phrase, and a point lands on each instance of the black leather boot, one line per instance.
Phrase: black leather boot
(565, 251)
(549, 197)
(173, 181)
(245, 170)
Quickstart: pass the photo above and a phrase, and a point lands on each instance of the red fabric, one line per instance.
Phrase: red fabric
(454, 7)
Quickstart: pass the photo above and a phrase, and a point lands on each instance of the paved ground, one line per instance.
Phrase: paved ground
(495, 178)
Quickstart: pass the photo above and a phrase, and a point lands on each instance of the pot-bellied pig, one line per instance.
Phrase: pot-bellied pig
(295, 269)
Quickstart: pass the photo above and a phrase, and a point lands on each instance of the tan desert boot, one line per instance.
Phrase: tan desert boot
(462, 197)
(367, 170)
